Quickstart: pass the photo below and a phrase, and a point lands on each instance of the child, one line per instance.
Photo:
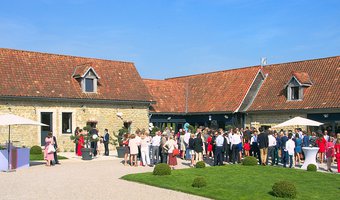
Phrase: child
(246, 148)
(329, 153)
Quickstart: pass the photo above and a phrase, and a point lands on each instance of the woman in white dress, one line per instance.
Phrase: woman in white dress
(133, 144)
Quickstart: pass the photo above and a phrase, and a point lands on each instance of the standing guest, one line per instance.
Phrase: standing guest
(235, 142)
(94, 132)
(106, 139)
(125, 143)
(156, 140)
(81, 142)
(271, 147)
(305, 139)
(164, 148)
(138, 133)
(218, 159)
(247, 134)
(337, 153)
(290, 146)
(246, 147)
(198, 147)
(191, 149)
(254, 148)
(48, 156)
(55, 153)
(284, 153)
(312, 140)
(263, 146)
(227, 147)
(133, 144)
(182, 144)
(298, 149)
(206, 143)
(186, 139)
(210, 153)
(330, 153)
(144, 147)
(171, 144)
(76, 133)
(321, 142)
(277, 150)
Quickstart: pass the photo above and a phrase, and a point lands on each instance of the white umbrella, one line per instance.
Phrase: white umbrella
(298, 121)
(10, 119)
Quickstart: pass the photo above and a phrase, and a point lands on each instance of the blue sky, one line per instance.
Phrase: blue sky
(175, 37)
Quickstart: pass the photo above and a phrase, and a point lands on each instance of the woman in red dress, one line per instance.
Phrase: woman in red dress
(80, 143)
(210, 147)
(321, 142)
(337, 153)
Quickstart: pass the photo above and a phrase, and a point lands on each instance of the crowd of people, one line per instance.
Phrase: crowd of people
(221, 147)
(216, 146)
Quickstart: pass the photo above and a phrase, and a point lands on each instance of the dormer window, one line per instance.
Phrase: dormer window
(87, 77)
(296, 86)
(89, 85)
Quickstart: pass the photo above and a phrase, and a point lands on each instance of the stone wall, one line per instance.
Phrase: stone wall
(104, 114)
(272, 119)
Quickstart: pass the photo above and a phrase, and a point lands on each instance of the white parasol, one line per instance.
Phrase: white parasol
(298, 121)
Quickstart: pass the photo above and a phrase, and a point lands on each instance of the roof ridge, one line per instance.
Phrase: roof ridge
(225, 70)
(63, 55)
(298, 61)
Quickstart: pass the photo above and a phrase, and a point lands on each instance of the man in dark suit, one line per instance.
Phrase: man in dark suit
(106, 139)
(93, 132)
(263, 146)
(55, 153)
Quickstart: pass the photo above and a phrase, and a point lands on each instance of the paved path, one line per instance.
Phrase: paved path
(78, 179)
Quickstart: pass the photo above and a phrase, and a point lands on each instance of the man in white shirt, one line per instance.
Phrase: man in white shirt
(290, 146)
(156, 140)
(271, 147)
(235, 141)
(218, 156)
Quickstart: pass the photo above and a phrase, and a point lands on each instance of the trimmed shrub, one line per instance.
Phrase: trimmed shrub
(284, 189)
(162, 169)
(249, 161)
(200, 164)
(199, 182)
(312, 168)
(36, 150)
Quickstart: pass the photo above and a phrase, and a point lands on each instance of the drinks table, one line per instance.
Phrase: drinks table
(310, 156)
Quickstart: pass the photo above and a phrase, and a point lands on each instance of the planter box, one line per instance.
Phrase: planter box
(120, 152)
(86, 153)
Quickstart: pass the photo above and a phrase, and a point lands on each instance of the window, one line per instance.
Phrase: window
(295, 93)
(89, 85)
(67, 123)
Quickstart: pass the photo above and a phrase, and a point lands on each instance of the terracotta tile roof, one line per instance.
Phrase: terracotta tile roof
(323, 93)
(221, 91)
(169, 95)
(303, 78)
(34, 74)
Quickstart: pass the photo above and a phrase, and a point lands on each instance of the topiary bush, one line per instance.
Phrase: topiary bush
(312, 168)
(284, 189)
(162, 169)
(36, 150)
(249, 161)
(200, 164)
(199, 182)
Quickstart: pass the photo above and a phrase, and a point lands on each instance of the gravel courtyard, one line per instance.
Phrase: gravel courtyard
(78, 179)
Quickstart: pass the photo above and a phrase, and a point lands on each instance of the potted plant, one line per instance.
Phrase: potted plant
(88, 137)
(121, 148)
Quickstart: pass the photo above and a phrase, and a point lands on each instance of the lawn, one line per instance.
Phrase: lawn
(37, 157)
(245, 182)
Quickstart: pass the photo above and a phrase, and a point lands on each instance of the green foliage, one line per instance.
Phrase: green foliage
(312, 168)
(192, 128)
(36, 150)
(120, 136)
(284, 189)
(199, 182)
(154, 130)
(228, 127)
(200, 164)
(249, 161)
(162, 169)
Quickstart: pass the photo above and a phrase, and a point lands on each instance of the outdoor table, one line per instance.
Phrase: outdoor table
(310, 156)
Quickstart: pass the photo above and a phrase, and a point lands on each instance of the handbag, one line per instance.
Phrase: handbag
(175, 152)
(51, 149)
